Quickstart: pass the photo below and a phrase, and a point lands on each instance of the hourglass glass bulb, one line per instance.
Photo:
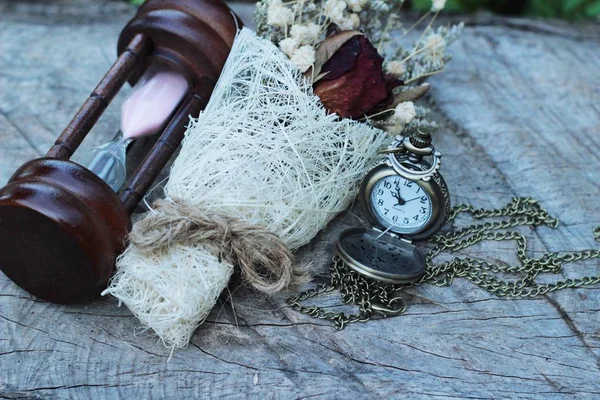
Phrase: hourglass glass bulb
(146, 110)
(108, 161)
(152, 101)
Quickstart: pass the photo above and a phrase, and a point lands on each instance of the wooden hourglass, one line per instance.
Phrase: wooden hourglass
(61, 225)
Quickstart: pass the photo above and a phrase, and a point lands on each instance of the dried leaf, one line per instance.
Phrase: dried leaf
(326, 49)
(320, 76)
(412, 94)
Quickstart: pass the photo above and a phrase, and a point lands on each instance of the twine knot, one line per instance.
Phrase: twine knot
(265, 261)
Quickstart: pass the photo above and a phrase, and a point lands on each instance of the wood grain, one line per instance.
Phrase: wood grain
(519, 112)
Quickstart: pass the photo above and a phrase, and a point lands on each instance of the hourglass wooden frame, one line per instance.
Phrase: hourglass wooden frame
(61, 226)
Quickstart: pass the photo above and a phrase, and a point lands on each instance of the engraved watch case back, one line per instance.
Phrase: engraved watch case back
(404, 198)
(383, 257)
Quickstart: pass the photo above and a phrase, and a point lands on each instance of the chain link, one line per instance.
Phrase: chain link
(375, 298)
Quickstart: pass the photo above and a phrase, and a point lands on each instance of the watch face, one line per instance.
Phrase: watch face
(401, 204)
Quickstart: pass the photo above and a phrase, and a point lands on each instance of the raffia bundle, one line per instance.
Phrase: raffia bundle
(261, 171)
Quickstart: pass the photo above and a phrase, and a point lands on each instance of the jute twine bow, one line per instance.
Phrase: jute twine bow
(264, 260)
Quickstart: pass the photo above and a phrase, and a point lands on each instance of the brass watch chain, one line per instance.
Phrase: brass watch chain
(373, 297)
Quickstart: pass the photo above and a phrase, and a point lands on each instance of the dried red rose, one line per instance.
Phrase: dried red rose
(351, 83)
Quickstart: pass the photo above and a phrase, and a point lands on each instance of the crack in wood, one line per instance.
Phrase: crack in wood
(573, 327)
(21, 133)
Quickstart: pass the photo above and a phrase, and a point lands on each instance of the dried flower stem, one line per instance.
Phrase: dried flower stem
(416, 78)
(426, 29)
(387, 26)
(367, 117)
(415, 51)
(413, 26)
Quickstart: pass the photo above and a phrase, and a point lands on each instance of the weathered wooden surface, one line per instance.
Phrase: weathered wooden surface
(519, 113)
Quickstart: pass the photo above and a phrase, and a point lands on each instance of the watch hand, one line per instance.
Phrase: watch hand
(418, 197)
(398, 197)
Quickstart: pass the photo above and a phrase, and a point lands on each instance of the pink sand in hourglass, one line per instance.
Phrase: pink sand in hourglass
(152, 101)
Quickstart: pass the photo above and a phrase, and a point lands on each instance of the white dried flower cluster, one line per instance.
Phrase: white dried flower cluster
(380, 5)
(434, 46)
(306, 34)
(349, 24)
(356, 5)
(303, 57)
(406, 119)
(277, 21)
(405, 112)
(300, 35)
(429, 56)
(299, 26)
(395, 68)
(334, 10)
(288, 46)
(438, 5)
(279, 15)
(403, 115)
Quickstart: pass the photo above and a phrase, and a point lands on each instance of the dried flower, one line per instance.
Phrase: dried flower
(334, 10)
(304, 57)
(404, 113)
(354, 83)
(434, 45)
(356, 5)
(347, 79)
(279, 15)
(305, 34)
(310, 7)
(350, 23)
(289, 46)
(299, 32)
(438, 5)
(395, 68)
(313, 33)
(379, 5)
(355, 21)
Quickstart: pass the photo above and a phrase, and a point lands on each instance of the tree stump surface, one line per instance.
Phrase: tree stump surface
(519, 113)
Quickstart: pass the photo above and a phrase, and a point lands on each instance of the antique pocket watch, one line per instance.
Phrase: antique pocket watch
(404, 198)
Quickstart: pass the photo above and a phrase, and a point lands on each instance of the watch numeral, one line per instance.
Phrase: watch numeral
(416, 217)
(380, 202)
(423, 210)
(387, 211)
(395, 218)
(380, 192)
(408, 183)
(424, 199)
(387, 185)
(406, 220)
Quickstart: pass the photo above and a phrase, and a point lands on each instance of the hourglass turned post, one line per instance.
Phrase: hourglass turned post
(62, 224)
(89, 113)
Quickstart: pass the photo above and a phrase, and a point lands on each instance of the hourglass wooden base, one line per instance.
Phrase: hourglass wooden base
(62, 227)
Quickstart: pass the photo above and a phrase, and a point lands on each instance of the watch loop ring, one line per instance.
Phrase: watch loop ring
(399, 159)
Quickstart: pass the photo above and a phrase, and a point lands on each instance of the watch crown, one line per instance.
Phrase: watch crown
(421, 139)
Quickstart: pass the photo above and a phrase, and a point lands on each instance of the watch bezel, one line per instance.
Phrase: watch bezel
(431, 187)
